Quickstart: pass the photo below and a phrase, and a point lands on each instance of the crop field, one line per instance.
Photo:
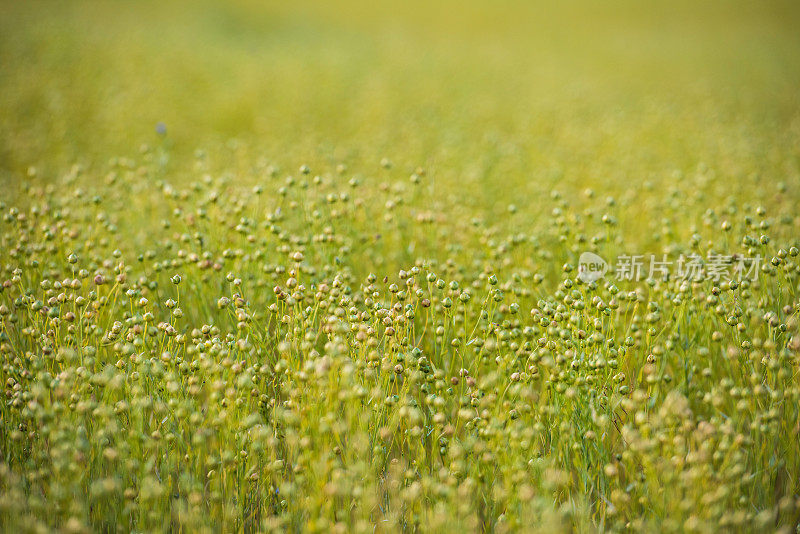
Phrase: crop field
(414, 266)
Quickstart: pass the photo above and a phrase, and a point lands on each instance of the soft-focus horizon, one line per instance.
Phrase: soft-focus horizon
(565, 85)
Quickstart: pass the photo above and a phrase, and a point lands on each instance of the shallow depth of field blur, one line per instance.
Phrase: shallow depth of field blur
(314, 266)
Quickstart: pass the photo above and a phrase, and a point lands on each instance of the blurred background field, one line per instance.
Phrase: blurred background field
(521, 94)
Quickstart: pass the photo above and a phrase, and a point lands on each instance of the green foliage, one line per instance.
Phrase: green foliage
(336, 286)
